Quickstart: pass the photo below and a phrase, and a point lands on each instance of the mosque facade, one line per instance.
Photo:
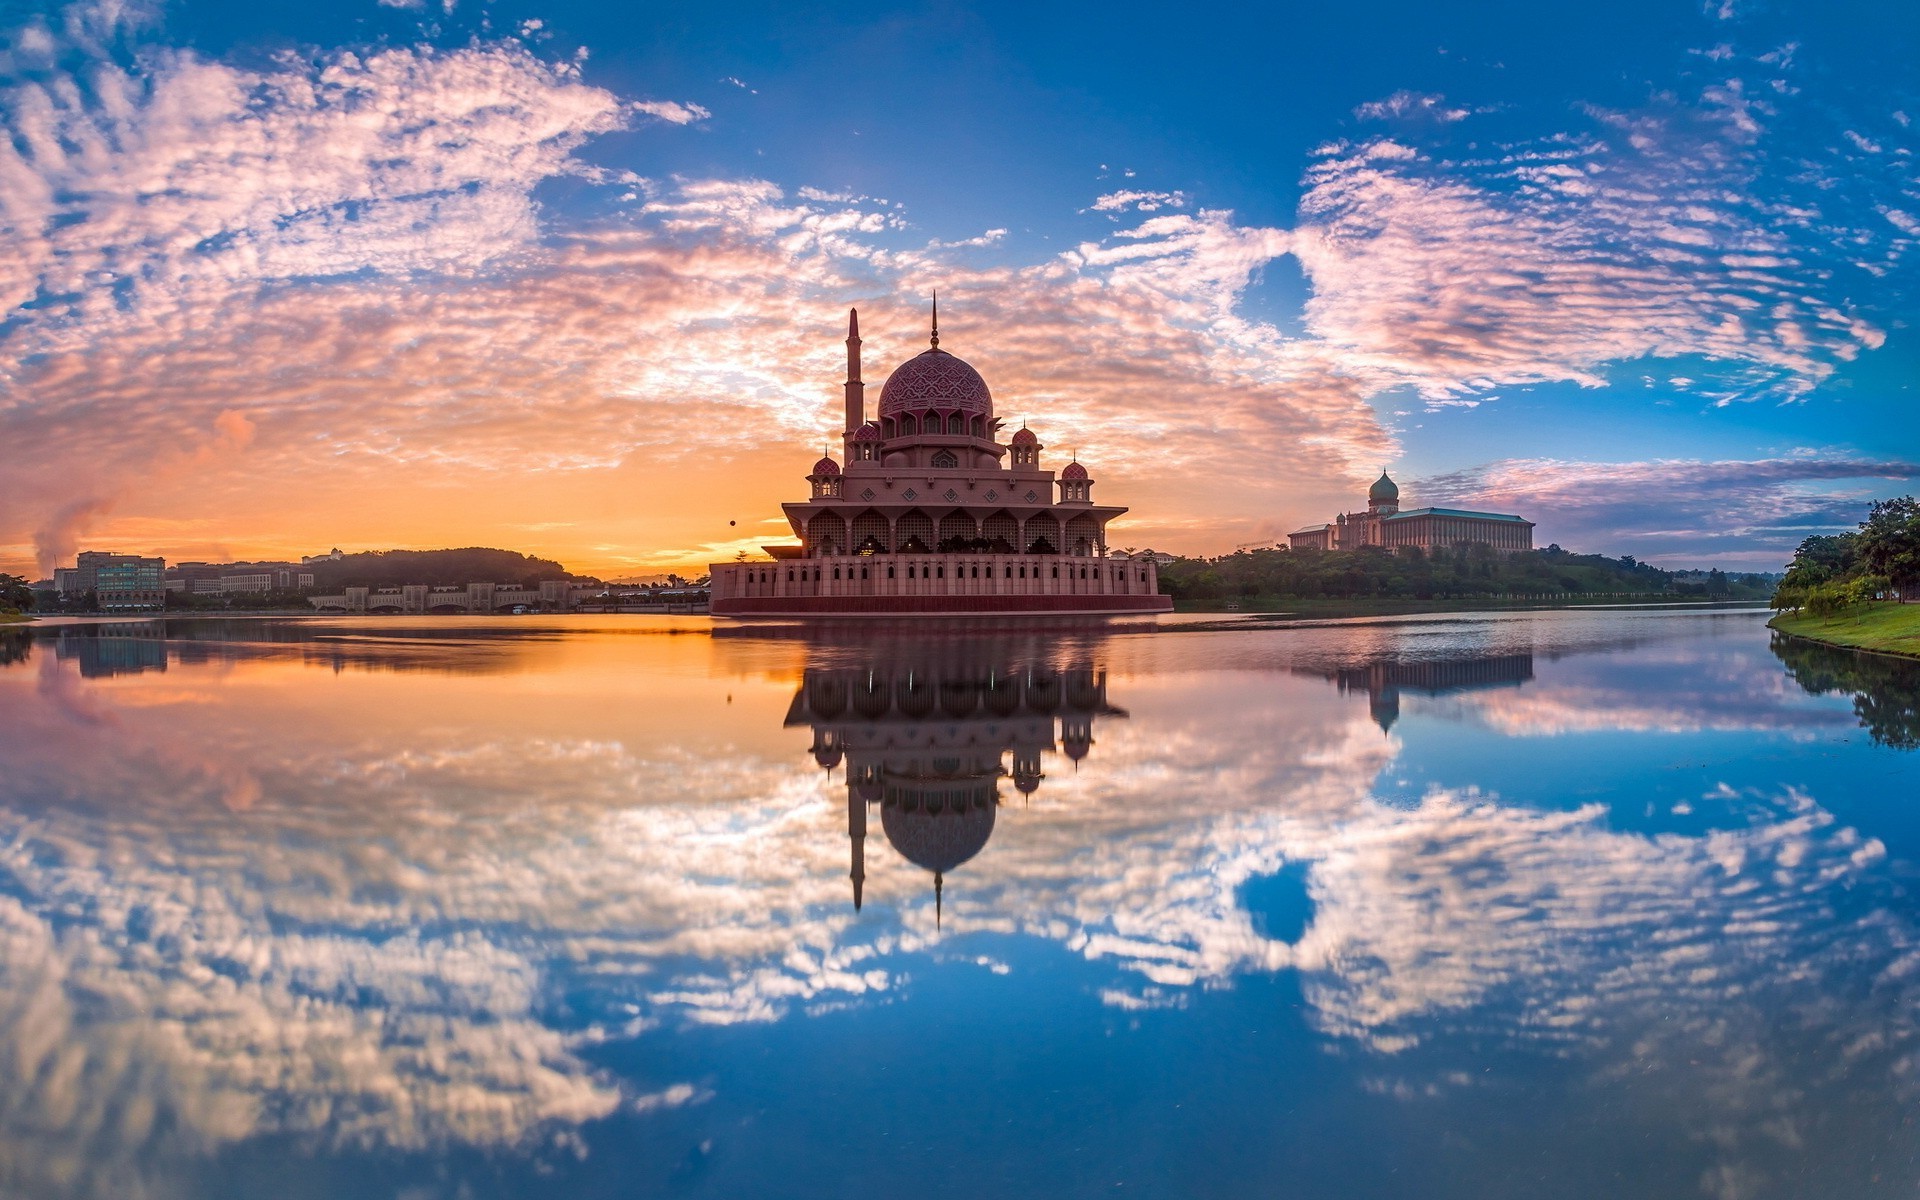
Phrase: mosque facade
(1384, 524)
(932, 513)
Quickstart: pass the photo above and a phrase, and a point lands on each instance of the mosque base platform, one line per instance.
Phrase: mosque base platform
(937, 585)
(939, 606)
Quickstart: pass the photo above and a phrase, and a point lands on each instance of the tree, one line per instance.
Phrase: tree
(15, 593)
(1890, 543)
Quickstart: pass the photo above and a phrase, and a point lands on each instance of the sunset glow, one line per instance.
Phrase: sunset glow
(572, 282)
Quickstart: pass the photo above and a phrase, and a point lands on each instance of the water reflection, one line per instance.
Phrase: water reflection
(1383, 679)
(1885, 690)
(478, 888)
(925, 740)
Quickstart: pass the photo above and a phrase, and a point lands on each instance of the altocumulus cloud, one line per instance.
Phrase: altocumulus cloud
(344, 250)
(1736, 510)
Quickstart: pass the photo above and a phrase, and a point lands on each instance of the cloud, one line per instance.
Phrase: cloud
(671, 111)
(1546, 262)
(347, 249)
(1678, 511)
(1404, 106)
(1139, 201)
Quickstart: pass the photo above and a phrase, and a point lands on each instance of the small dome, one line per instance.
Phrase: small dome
(1074, 471)
(1383, 489)
(935, 379)
(867, 433)
(826, 466)
(1025, 437)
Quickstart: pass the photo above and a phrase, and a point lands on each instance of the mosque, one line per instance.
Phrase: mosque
(1428, 529)
(932, 514)
(928, 744)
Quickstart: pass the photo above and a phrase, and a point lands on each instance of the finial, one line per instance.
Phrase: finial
(853, 323)
(936, 318)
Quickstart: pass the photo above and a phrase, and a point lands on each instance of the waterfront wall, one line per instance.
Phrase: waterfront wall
(938, 583)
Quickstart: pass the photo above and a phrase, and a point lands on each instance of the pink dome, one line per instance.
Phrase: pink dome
(826, 466)
(1025, 437)
(867, 433)
(1074, 471)
(935, 379)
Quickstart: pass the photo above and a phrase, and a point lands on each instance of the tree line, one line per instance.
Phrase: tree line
(1465, 570)
(1880, 560)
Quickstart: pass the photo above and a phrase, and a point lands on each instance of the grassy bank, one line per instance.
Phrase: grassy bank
(1887, 627)
(8, 617)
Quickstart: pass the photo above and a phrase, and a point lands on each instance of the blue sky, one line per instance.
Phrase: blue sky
(568, 277)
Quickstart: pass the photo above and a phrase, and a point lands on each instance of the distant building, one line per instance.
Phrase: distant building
(119, 582)
(333, 555)
(189, 577)
(1428, 529)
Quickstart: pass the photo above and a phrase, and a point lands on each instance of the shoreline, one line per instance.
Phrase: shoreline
(1882, 627)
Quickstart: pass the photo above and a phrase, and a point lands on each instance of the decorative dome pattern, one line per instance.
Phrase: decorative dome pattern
(869, 432)
(826, 466)
(938, 839)
(1074, 471)
(1383, 489)
(1025, 437)
(935, 379)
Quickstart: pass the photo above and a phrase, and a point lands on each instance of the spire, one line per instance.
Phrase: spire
(936, 899)
(856, 391)
(936, 318)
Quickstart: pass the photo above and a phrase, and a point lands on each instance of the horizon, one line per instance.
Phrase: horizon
(573, 283)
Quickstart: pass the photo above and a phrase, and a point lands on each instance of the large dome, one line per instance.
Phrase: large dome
(1383, 489)
(938, 380)
(938, 839)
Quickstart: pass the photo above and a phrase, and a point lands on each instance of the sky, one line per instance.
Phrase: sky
(572, 278)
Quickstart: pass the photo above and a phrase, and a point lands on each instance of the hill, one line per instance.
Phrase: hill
(470, 564)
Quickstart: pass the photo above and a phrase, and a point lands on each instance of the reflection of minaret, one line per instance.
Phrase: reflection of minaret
(927, 742)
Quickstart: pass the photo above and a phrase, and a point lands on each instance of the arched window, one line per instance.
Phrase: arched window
(907, 426)
(956, 424)
(945, 458)
(979, 427)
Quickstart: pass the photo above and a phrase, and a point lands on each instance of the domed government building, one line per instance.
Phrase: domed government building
(1428, 529)
(933, 514)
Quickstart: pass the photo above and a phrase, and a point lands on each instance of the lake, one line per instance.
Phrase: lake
(1575, 903)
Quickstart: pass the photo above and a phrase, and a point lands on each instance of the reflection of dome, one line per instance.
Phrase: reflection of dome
(938, 837)
(826, 466)
(935, 379)
(1074, 471)
(1025, 437)
(867, 433)
(1383, 489)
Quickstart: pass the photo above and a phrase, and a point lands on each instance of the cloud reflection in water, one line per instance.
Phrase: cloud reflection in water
(396, 906)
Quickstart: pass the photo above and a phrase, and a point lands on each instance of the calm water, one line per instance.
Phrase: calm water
(1568, 904)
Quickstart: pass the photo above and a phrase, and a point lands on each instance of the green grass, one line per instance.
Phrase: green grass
(10, 617)
(1885, 626)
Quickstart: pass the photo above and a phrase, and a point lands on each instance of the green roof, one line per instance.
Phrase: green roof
(1455, 512)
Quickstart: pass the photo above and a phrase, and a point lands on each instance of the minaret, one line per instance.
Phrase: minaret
(856, 391)
(857, 834)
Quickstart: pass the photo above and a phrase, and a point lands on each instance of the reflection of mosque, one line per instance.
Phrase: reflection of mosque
(929, 745)
(1383, 680)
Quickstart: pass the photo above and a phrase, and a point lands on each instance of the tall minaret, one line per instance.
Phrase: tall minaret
(857, 834)
(856, 391)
